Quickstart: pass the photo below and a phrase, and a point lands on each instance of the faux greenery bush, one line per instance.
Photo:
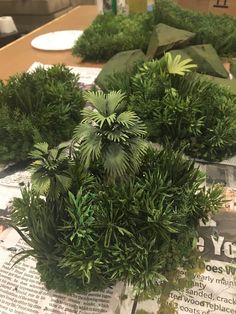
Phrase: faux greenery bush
(40, 106)
(220, 31)
(109, 34)
(182, 109)
(91, 229)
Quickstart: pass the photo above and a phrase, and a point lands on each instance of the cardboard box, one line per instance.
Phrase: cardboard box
(215, 6)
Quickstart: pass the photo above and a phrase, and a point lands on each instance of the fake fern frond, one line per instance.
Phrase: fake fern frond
(116, 160)
(50, 170)
(105, 104)
(178, 66)
(97, 99)
(39, 150)
(115, 102)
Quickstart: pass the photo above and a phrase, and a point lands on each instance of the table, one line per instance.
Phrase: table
(19, 55)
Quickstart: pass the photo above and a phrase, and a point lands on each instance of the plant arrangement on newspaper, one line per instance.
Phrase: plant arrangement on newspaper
(110, 207)
(213, 289)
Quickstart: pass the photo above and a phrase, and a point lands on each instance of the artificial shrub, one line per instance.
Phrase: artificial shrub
(183, 110)
(220, 31)
(40, 106)
(92, 229)
(109, 34)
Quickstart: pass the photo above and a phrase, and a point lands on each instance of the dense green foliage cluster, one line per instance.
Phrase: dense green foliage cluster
(185, 111)
(109, 206)
(220, 31)
(109, 34)
(92, 229)
(40, 106)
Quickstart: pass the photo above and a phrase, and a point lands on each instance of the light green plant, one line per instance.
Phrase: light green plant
(182, 108)
(111, 134)
(42, 105)
(50, 169)
(178, 66)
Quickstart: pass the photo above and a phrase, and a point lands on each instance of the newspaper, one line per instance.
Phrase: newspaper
(87, 75)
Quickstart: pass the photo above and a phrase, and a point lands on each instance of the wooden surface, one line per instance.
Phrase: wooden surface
(19, 55)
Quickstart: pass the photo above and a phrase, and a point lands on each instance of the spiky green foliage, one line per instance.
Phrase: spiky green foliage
(212, 133)
(167, 65)
(40, 106)
(110, 134)
(205, 25)
(182, 109)
(109, 34)
(39, 224)
(138, 232)
(92, 228)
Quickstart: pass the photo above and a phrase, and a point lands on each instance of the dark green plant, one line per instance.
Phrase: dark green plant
(220, 31)
(109, 34)
(39, 224)
(134, 221)
(111, 134)
(183, 110)
(140, 231)
(43, 105)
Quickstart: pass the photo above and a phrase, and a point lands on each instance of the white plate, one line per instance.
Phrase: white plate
(61, 40)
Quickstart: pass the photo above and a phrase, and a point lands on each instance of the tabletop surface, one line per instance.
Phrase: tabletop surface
(20, 55)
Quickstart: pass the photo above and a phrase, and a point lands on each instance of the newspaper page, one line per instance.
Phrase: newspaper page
(87, 75)
(214, 290)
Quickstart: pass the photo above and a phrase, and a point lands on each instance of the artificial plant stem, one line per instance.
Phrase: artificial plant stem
(135, 304)
(114, 6)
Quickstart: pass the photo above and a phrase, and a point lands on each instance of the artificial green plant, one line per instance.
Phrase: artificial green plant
(109, 34)
(181, 108)
(91, 221)
(43, 105)
(218, 30)
(111, 134)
